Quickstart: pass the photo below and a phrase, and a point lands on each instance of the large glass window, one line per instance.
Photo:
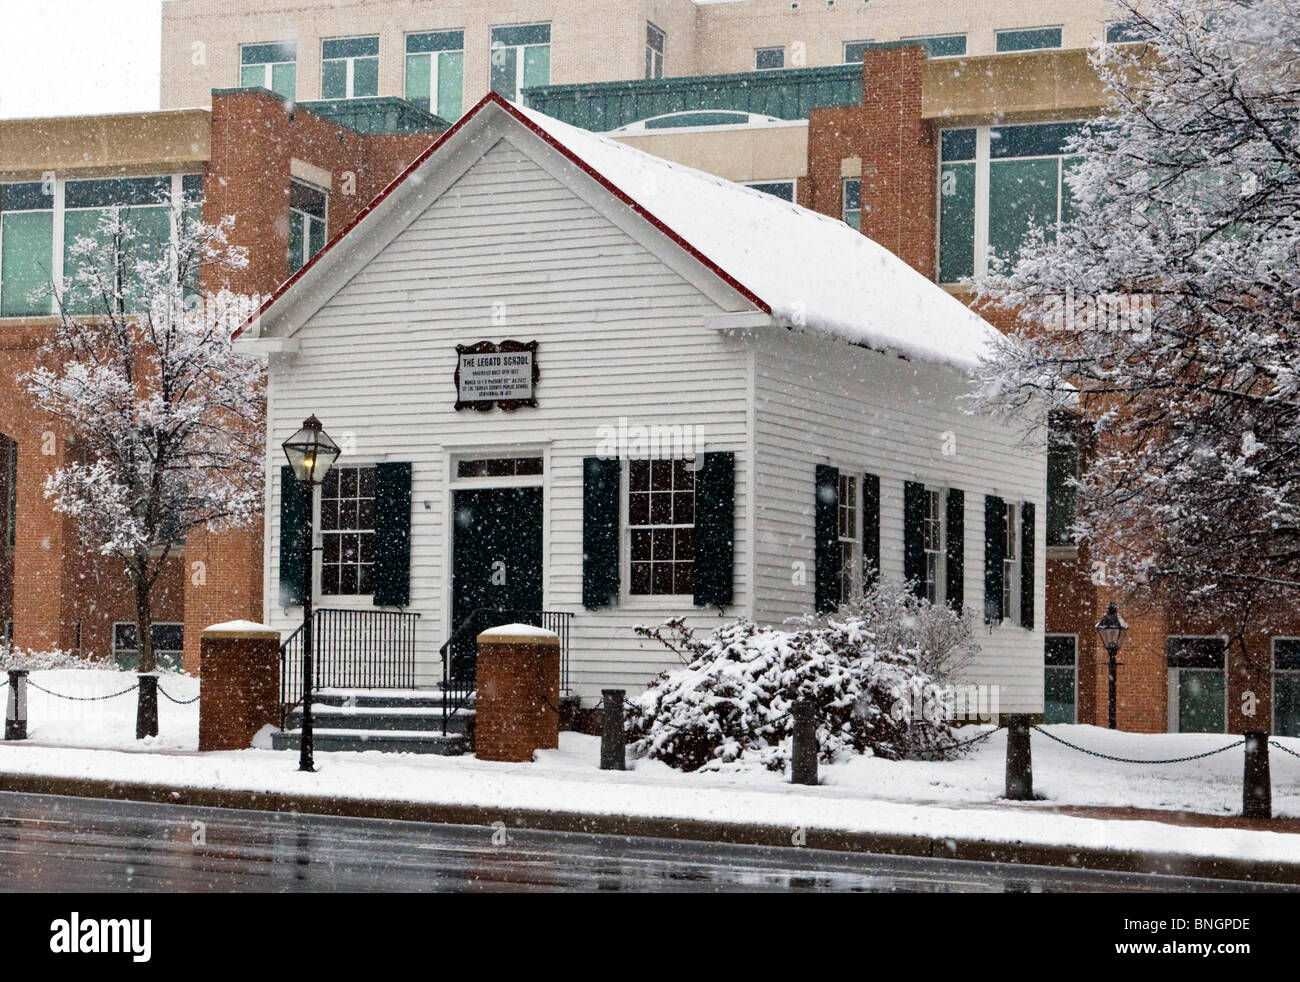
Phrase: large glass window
(995, 185)
(349, 68)
(777, 189)
(270, 66)
(852, 202)
(941, 45)
(766, 59)
(145, 204)
(521, 58)
(168, 645)
(435, 72)
(1060, 679)
(1286, 687)
(661, 517)
(655, 43)
(1198, 689)
(932, 541)
(850, 568)
(1029, 39)
(1011, 567)
(1062, 470)
(347, 523)
(307, 223)
(26, 247)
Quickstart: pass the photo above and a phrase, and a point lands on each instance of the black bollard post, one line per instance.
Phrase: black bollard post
(613, 739)
(16, 705)
(803, 752)
(1020, 768)
(1257, 790)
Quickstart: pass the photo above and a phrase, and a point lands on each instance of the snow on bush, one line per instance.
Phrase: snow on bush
(35, 661)
(866, 668)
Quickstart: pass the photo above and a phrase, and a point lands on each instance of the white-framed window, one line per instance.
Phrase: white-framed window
(785, 190)
(168, 644)
(850, 537)
(851, 202)
(349, 67)
(768, 59)
(1198, 684)
(1286, 687)
(996, 183)
(521, 58)
(1060, 678)
(271, 66)
(308, 221)
(932, 541)
(41, 221)
(1028, 39)
(435, 72)
(941, 45)
(661, 527)
(1011, 566)
(347, 528)
(656, 42)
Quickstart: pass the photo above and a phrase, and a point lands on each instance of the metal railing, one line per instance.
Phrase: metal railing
(354, 649)
(459, 652)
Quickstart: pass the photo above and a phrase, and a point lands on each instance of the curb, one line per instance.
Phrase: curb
(978, 850)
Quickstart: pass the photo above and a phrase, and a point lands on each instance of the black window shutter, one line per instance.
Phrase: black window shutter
(600, 511)
(914, 536)
(715, 529)
(1027, 565)
(295, 512)
(826, 528)
(995, 520)
(392, 535)
(870, 529)
(955, 550)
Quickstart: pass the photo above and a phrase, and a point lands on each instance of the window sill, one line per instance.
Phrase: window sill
(658, 601)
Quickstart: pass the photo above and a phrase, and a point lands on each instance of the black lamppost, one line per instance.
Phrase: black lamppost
(311, 454)
(1112, 628)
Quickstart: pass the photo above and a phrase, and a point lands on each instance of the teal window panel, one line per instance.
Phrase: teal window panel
(942, 45)
(956, 222)
(359, 47)
(1032, 140)
(334, 80)
(1030, 39)
(1123, 32)
(505, 73)
(1062, 468)
(1286, 704)
(117, 191)
(522, 34)
(767, 59)
(957, 145)
(433, 41)
(537, 66)
(419, 80)
(26, 258)
(297, 241)
(365, 78)
(1201, 701)
(252, 76)
(679, 120)
(1023, 195)
(1059, 695)
(268, 54)
(451, 85)
(284, 80)
(777, 189)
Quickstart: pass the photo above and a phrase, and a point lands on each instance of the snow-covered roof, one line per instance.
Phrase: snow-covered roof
(807, 270)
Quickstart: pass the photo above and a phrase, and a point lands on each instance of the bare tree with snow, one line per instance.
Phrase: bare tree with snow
(166, 417)
(1165, 316)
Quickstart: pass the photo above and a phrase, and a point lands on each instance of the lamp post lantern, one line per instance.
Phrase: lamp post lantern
(311, 454)
(1111, 628)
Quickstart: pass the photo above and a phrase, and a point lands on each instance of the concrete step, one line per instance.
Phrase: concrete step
(386, 698)
(422, 718)
(384, 741)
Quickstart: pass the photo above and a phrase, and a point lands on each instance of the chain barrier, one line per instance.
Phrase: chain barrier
(179, 702)
(958, 746)
(1130, 760)
(1285, 750)
(60, 695)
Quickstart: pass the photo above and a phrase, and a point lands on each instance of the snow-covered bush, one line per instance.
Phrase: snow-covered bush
(35, 661)
(866, 669)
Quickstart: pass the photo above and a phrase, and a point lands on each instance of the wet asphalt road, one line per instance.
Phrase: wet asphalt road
(89, 845)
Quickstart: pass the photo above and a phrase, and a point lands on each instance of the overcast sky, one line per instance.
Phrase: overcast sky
(70, 57)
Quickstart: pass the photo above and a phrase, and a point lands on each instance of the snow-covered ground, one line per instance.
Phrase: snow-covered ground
(944, 799)
(87, 719)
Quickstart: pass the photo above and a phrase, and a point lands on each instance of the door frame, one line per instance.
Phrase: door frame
(473, 451)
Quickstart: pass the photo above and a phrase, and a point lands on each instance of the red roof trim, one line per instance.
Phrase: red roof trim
(493, 97)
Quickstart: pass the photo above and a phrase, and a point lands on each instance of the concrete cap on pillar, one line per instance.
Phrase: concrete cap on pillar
(241, 629)
(519, 634)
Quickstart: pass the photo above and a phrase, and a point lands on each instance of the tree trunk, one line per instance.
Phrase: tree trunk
(146, 715)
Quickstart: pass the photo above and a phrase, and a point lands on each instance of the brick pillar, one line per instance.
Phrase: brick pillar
(518, 675)
(239, 684)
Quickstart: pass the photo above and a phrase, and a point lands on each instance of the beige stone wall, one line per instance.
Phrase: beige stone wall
(592, 40)
(118, 144)
(743, 154)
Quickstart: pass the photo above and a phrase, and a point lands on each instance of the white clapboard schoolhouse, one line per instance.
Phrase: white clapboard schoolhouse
(570, 377)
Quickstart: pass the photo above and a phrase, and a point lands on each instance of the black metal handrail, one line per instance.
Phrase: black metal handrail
(458, 673)
(354, 649)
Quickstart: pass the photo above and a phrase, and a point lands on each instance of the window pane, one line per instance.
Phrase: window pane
(435, 41)
(265, 54)
(316, 237)
(855, 51)
(1062, 464)
(365, 78)
(118, 191)
(1286, 704)
(1200, 701)
(537, 66)
(1029, 40)
(1022, 195)
(334, 80)
(304, 197)
(956, 222)
(522, 34)
(297, 240)
(957, 145)
(419, 80)
(1036, 140)
(351, 48)
(26, 254)
(252, 76)
(1058, 695)
(946, 46)
(284, 80)
(504, 67)
(451, 70)
(768, 58)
